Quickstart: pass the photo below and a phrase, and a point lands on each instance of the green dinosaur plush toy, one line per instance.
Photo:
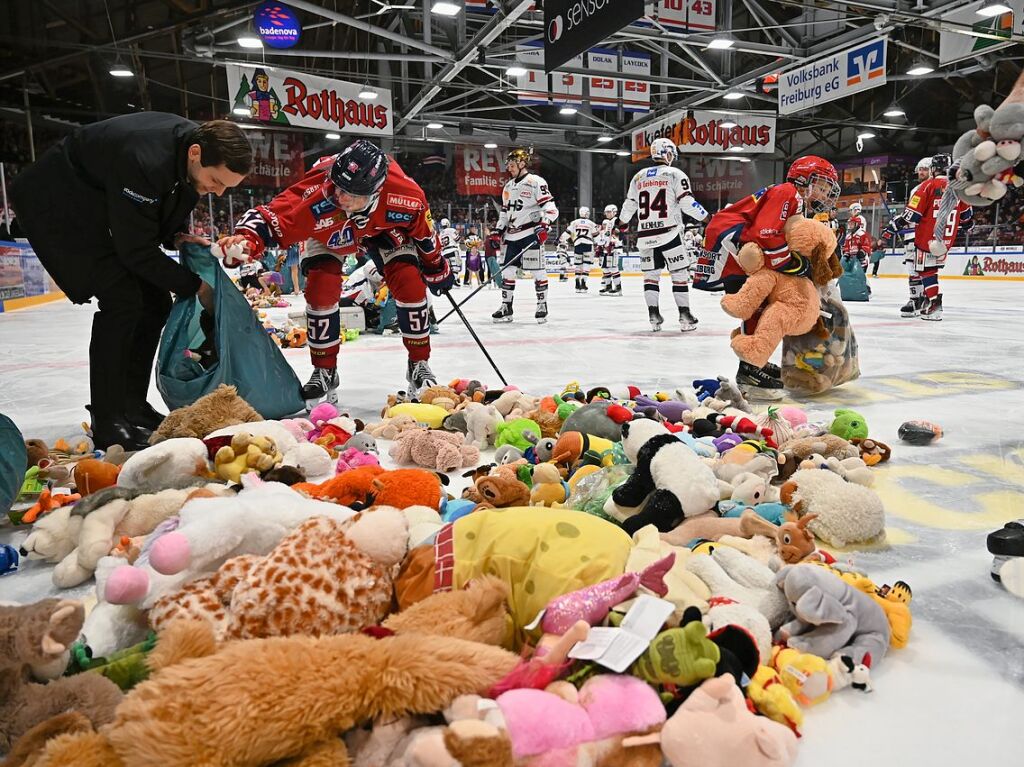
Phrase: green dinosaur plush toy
(512, 433)
(849, 424)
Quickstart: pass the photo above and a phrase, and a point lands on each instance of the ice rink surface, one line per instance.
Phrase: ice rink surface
(955, 694)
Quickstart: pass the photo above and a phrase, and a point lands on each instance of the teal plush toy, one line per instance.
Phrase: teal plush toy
(849, 424)
(513, 433)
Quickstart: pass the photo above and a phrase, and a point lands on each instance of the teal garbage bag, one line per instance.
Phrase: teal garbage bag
(853, 285)
(240, 353)
(12, 463)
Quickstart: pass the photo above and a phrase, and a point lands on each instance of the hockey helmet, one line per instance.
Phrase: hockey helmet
(611, 210)
(519, 155)
(584, 211)
(444, 223)
(360, 169)
(925, 163)
(819, 181)
(664, 149)
(856, 208)
(940, 164)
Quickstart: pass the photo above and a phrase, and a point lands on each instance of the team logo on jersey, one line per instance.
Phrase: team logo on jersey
(914, 201)
(651, 172)
(865, 63)
(403, 201)
(309, 192)
(429, 218)
(340, 238)
(397, 217)
(323, 208)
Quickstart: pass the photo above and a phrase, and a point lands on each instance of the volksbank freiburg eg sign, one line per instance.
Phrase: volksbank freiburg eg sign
(833, 77)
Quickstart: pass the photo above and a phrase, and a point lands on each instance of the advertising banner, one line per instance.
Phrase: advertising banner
(479, 170)
(833, 77)
(282, 97)
(967, 42)
(277, 158)
(708, 133)
(573, 26)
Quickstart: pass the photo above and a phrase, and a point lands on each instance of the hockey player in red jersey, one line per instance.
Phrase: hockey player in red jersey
(811, 187)
(932, 239)
(356, 201)
(857, 243)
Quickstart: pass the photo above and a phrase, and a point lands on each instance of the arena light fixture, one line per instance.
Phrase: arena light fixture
(865, 135)
(434, 126)
(119, 69)
(737, 159)
(240, 111)
(894, 111)
(445, 9)
(368, 93)
(622, 153)
(727, 124)
(249, 40)
(732, 96)
(490, 145)
(994, 9)
(735, 149)
(567, 110)
(720, 43)
(515, 71)
(332, 136)
(920, 68)
(604, 139)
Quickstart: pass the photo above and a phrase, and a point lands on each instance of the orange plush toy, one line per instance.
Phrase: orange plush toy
(791, 305)
(92, 475)
(374, 486)
(48, 502)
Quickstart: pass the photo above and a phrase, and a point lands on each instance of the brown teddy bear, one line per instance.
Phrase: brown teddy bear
(221, 407)
(434, 449)
(791, 304)
(442, 396)
(495, 492)
(34, 643)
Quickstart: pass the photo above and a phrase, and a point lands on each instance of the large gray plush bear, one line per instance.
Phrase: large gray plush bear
(982, 157)
(832, 617)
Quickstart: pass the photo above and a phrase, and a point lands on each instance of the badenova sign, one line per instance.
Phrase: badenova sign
(277, 25)
(833, 77)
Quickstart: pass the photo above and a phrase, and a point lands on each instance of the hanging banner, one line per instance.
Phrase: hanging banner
(567, 88)
(704, 133)
(715, 179)
(479, 170)
(833, 77)
(686, 15)
(636, 94)
(965, 44)
(573, 26)
(604, 91)
(277, 158)
(283, 97)
(532, 87)
(277, 25)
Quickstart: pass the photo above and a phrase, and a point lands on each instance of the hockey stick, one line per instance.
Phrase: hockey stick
(457, 310)
(514, 262)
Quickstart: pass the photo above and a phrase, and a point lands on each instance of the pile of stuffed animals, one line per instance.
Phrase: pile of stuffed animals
(266, 592)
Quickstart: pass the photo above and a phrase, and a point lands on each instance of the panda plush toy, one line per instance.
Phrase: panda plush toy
(669, 484)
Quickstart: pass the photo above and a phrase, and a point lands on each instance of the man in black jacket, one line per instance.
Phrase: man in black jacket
(96, 208)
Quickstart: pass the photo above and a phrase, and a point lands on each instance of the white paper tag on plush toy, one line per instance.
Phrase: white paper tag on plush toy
(647, 615)
(535, 622)
(617, 648)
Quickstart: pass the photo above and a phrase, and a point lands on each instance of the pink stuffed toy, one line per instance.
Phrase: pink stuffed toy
(319, 416)
(607, 706)
(592, 603)
(714, 728)
(434, 449)
(352, 458)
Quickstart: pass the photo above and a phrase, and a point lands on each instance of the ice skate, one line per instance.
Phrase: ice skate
(616, 292)
(541, 315)
(687, 321)
(321, 387)
(912, 308)
(504, 313)
(420, 377)
(656, 319)
(931, 309)
(756, 384)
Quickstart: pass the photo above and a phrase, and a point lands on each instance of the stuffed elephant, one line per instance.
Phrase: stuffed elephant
(832, 618)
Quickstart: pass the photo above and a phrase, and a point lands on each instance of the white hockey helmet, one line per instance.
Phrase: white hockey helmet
(611, 210)
(445, 223)
(856, 208)
(584, 211)
(664, 149)
(925, 163)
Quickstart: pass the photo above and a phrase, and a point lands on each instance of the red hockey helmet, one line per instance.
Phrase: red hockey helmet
(818, 180)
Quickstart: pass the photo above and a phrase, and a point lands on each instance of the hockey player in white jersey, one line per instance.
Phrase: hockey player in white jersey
(527, 212)
(913, 306)
(660, 196)
(609, 250)
(584, 233)
(562, 256)
(450, 245)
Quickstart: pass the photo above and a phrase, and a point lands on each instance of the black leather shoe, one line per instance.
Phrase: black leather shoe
(145, 416)
(117, 431)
